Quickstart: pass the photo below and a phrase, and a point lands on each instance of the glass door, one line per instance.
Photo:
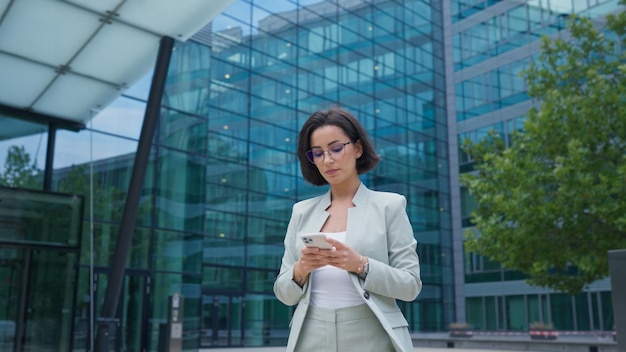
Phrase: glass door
(36, 290)
(130, 333)
(222, 323)
(39, 246)
(13, 264)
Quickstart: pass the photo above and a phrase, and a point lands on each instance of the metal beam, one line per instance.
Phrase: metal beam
(120, 256)
(47, 174)
(44, 119)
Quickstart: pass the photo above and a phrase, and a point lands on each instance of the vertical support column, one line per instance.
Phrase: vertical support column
(617, 270)
(47, 174)
(458, 253)
(120, 256)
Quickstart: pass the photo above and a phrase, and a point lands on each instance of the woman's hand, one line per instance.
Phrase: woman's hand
(311, 258)
(342, 257)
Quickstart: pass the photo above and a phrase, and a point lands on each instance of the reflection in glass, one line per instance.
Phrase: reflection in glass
(22, 153)
(38, 292)
(123, 117)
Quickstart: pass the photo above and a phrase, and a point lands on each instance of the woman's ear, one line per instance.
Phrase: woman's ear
(358, 148)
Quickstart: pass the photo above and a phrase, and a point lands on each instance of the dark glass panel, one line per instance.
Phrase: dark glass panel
(177, 252)
(491, 310)
(260, 280)
(180, 191)
(223, 279)
(183, 132)
(31, 217)
(515, 313)
(220, 250)
(581, 306)
(474, 310)
(561, 311)
(608, 317)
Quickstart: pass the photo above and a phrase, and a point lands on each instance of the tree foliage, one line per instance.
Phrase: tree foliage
(554, 202)
(19, 170)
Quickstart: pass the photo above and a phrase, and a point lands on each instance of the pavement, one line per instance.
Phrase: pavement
(282, 349)
(441, 342)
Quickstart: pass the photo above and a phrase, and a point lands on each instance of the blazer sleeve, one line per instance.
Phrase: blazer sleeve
(400, 277)
(285, 289)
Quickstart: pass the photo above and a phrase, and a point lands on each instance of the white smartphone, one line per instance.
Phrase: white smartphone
(315, 239)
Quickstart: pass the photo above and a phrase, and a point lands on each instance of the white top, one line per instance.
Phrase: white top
(331, 287)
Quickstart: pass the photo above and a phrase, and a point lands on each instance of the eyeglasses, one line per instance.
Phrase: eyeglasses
(335, 151)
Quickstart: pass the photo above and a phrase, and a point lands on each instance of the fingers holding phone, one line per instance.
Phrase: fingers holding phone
(312, 256)
(316, 239)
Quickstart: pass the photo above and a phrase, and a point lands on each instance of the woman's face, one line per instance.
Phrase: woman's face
(335, 155)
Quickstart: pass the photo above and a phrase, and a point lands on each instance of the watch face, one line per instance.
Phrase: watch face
(366, 269)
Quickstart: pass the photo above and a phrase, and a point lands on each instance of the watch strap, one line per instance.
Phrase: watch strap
(366, 270)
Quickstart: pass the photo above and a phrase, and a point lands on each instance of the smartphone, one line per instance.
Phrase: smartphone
(315, 239)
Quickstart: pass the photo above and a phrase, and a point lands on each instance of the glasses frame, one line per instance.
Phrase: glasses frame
(309, 154)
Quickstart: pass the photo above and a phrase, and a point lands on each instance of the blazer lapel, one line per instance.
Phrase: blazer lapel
(357, 218)
(319, 215)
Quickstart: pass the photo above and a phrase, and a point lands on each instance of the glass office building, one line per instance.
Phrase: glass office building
(222, 174)
(493, 42)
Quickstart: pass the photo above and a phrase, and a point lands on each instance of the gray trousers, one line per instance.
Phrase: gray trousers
(342, 330)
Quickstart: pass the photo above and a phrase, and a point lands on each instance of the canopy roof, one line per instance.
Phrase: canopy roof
(65, 58)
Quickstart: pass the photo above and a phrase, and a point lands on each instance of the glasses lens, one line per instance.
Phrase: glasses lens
(310, 156)
(336, 150)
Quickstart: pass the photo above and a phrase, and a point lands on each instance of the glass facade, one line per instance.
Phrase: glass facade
(222, 174)
(493, 42)
(270, 67)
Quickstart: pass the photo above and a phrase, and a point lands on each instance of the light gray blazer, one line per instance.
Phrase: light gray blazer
(379, 228)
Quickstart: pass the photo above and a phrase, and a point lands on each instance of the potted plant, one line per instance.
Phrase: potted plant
(460, 330)
(542, 331)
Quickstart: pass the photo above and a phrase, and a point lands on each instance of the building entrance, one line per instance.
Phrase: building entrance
(222, 323)
(39, 248)
(35, 285)
(131, 331)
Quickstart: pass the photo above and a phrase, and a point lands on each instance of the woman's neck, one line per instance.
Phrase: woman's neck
(344, 191)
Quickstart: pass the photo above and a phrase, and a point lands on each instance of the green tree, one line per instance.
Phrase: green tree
(554, 202)
(19, 170)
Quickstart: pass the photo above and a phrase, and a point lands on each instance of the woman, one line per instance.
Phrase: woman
(346, 296)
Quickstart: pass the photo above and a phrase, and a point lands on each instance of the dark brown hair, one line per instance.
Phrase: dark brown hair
(350, 126)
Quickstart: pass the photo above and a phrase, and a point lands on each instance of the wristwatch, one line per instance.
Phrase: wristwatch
(366, 269)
